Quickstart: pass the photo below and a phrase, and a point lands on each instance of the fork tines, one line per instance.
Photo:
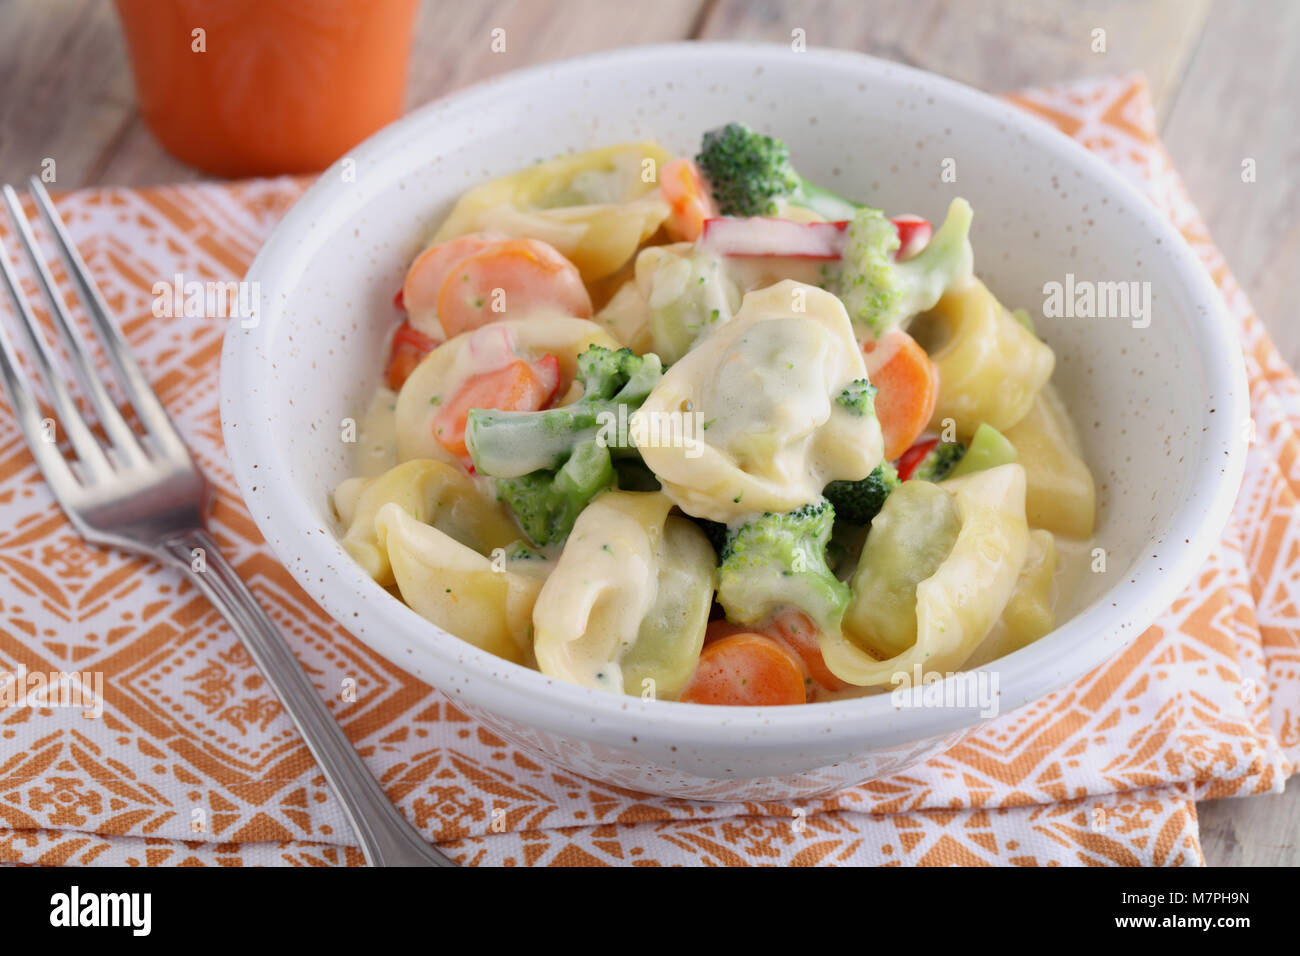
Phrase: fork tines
(122, 448)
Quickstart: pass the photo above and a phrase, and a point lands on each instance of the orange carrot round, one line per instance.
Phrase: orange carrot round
(745, 670)
(424, 278)
(509, 278)
(907, 385)
(683, 187)
(794, 629)
(720, 627)
(514, 387)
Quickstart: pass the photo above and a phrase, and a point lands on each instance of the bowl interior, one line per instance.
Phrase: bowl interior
(887, 135)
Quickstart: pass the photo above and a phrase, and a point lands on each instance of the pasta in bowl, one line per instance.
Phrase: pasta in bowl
(1150, 471)
(691, 428)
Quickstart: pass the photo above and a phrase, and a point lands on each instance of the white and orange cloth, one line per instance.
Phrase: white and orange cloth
(193, 761)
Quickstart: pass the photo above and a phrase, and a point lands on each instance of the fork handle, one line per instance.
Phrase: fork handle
(385, 836)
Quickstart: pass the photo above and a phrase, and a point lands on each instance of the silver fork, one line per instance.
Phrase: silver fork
(144, 494)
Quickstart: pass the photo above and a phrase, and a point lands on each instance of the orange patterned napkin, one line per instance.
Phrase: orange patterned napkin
(193, 762)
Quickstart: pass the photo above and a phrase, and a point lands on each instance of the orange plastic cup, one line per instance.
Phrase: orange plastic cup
(257, 87)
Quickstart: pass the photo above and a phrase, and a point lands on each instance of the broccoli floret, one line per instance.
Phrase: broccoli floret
(859, 397)
(546, 503)
(548, 464)
(779, 560)
(939, 461)
(881, 293)
(520, 551)
(857, 502)
(749, 172)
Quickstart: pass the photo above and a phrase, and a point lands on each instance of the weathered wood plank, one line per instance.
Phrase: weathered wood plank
(66, 89)
(997, 46)
(1255, 831)
(454, 40)
(1236, 104)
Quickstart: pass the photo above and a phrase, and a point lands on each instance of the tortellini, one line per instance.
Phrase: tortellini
(1031, 612)
(909, 539)
(991, 367)
(485, 601)
(1060, 496)
(595, 207)
(444, 370)
(433, 493)
(629, 598)
(956, 605)
(687, 295)
(627, 317)
(764, 389)
(1029, 615)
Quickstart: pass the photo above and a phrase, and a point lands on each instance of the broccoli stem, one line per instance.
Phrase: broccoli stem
(548, 464)
(823, 202)
(988, 449)
(749, 173)
(507, 444)
(945, 257)
(513, 444)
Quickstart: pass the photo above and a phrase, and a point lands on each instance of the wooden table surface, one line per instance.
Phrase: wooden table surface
(1223, 75)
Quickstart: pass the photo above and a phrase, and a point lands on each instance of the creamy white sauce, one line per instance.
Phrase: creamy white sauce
(376, 450)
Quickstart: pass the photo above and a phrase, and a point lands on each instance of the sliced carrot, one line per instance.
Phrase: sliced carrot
(799, 634)
(516, 387)
(792, 630)
(683, 187)
(720, 627)
(907, 385)
(745, 670)
(510, 278)
(424, 278)
(408, 349)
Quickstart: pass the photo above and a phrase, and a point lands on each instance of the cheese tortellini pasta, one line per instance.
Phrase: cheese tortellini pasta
(1028, 614)
(432, 492)
(629, 598)
(764, 389)
(447, 368)
(488, 601)
(629, 435)
(1060, 496)
(991, 368)
(687, 295)
(956, 604)
(595, 207)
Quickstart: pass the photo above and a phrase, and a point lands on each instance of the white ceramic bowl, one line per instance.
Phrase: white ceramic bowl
(1160, 410)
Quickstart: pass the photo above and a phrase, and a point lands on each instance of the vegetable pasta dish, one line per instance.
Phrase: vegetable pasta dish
(700, 430)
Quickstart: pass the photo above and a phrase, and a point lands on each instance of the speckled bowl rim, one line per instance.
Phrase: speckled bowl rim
(517, 693)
